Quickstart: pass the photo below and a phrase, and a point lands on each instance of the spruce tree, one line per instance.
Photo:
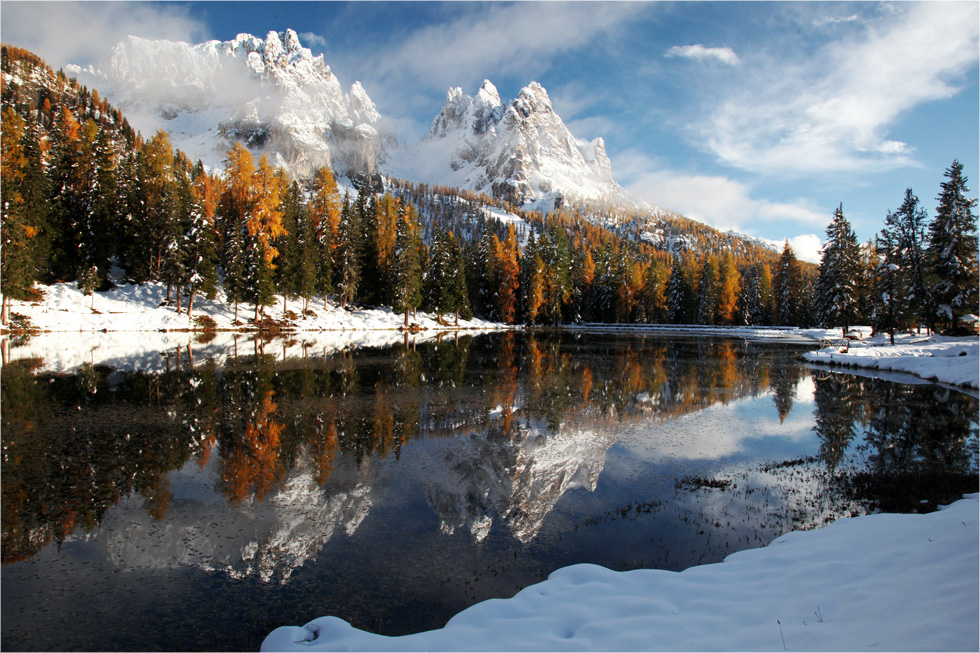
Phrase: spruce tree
(787, 289)
(836, 294)
(408, 263)
(348, 254)
(952, 252)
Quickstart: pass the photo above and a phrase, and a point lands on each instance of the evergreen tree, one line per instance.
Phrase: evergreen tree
(325, 209)
(387, 212)
(838, 278)
(408, 263)
(366, 209)
(909, 224)
(200, 248)
(348, 254)
(787, 289)
(708, 290)
(445, 280)
(681, 298)
(952, 252)
(558, 278)
(889, 308)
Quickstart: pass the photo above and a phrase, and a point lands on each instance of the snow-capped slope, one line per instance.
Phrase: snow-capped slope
(271, 94)
(521, 152)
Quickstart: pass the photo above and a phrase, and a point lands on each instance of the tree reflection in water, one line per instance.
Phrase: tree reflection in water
(74, 444)
(396, 486)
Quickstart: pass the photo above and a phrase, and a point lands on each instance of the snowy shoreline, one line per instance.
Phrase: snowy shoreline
(876, 582)
(134, 314)
(954, 361)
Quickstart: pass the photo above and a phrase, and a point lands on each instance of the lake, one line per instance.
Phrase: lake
(198, 496)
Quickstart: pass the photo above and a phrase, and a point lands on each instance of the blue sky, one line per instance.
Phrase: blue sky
(758, 116)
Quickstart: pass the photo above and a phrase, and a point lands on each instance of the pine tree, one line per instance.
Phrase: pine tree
(366, 208)
(558, 278)
(681, 299)
(952, 252)
(348, 254)
(787, 289)
(909, 223)
(325, 208)
(837, 284)
(708, 290)
(387, 212)
(445, 280)
(200, 246)
(889, 308)
(408, 263)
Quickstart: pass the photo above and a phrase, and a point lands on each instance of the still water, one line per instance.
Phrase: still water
(202, 503)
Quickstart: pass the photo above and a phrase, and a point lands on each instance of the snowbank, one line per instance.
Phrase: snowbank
(141, 308)
(879, 582)
(947, 360)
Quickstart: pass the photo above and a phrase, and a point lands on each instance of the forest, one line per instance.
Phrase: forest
(88, 199)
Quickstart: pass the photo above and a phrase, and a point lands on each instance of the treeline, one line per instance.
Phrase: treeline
(84, 193)
(914, 272)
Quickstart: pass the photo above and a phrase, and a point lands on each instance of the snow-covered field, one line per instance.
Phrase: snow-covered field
(879, 582)
(955, 361)
(139, 308)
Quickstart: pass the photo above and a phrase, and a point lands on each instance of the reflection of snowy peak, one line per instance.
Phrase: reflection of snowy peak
(521, 152)
(517, 480)
(271, 94)
(266, 539)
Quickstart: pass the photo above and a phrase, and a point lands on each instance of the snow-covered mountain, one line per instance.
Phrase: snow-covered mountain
(521, 152)
(277, 98)
(271, 94)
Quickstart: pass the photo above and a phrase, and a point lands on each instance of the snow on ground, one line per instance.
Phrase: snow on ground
(139, 308)
(878, 582)
(944, 359)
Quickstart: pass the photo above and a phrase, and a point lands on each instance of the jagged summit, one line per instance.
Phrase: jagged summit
(272, 94)
(521, 152)
(276, 97)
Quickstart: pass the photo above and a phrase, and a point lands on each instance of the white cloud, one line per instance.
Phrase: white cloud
(501, 37)
(312, 40)
(723, 203)
(832, 112)
(83, 32)
(701, 53)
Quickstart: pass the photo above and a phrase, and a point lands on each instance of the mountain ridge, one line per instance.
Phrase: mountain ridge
(278, 99)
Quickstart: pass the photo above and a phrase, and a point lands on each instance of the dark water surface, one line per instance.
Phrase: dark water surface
(201, 507)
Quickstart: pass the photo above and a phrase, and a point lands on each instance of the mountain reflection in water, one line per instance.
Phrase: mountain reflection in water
(249, 466)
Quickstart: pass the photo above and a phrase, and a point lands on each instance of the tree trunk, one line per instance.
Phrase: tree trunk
(457, 317)
(3, 310)
(284, 304)
(236, 310)
(190, 303)
(178, 299)
(256, 311)
(406, 318)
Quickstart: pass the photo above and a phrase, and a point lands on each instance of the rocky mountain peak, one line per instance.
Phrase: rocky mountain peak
(271, 94)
